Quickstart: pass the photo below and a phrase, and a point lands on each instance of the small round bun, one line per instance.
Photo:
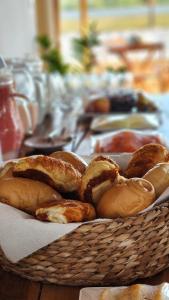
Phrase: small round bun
(77, 162)
(146, 158)
(126, 198)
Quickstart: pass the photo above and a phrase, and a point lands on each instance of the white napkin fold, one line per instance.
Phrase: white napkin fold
(21, 234)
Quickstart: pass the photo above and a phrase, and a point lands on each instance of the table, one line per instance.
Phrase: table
(13, 287)
(124, 49)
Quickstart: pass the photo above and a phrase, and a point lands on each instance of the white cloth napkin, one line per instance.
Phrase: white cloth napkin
(21, 234)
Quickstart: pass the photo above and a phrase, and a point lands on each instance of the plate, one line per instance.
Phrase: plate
(41, 144)
(126, 121)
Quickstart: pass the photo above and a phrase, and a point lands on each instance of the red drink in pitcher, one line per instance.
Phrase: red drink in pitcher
(11, 129)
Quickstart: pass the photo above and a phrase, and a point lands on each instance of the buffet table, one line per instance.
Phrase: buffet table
(13, 287)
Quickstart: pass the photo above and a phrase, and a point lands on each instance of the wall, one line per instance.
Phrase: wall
(17, 27)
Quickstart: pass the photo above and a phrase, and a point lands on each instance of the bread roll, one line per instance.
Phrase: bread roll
(159, 177)
(100, 175)
(66, 211)
(126, 198)
(146, 158)
(26, 194)
(72, 158)
(55, 172)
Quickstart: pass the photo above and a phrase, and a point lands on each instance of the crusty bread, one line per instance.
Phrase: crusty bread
(126, 198)
(59, 174)
(72, 158)
(26, 194)
(99, 176)
(66, 211)
(146, 158)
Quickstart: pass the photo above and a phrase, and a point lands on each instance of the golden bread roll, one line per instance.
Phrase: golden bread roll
(146, 158)
(99, 176)
(159, 177)
(72, 158)
(126, 198)
(55, 172)
(66, 211)
(26, 194)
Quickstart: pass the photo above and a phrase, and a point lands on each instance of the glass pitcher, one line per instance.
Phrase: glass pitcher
(11, 128)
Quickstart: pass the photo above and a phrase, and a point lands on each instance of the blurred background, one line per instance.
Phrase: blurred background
(60, 55)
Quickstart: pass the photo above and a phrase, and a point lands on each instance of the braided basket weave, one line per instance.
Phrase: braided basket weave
(111, 252)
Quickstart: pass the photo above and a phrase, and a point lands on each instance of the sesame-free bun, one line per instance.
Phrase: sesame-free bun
(26, 194)
(126, 198)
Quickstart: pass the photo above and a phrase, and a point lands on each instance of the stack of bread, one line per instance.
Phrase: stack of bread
(62, 188)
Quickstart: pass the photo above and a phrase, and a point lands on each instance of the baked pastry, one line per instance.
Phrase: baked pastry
(26, 194)
(126, 198)
(159, 177)
(55, 172)
(72, 158)
(7, 170)
(146, 158)
(100, 175)
(136, 292)
(66, 211)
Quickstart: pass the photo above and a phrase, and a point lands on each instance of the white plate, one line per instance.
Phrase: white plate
(126, 121)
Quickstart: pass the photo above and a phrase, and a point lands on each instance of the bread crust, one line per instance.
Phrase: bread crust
(72, 158)
(59, 174)
(26, 194)
(66, 211)
(100, 175)
(146, 158)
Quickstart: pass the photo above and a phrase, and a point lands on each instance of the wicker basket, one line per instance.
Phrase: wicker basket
(112, 252)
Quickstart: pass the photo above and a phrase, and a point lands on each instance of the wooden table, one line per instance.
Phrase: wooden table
(13, 287)
(123, 50)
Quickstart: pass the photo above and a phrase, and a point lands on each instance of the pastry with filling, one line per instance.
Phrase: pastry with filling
(100, 175)
(66, 211)
(57, 173)
(72, 158)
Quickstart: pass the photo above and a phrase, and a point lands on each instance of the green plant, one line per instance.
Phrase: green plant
(83, 47)
(52, 57)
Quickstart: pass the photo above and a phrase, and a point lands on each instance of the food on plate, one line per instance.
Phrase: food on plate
(136, 292)
(129, 121)
(125, 141)
(55, 172)
(100, 175)
(72, 158)
(98, 105)
(120, 100)
(126, 198)
(144, 104)
(66, 211)
(159, 177)
(146, 158)
(26, 194)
